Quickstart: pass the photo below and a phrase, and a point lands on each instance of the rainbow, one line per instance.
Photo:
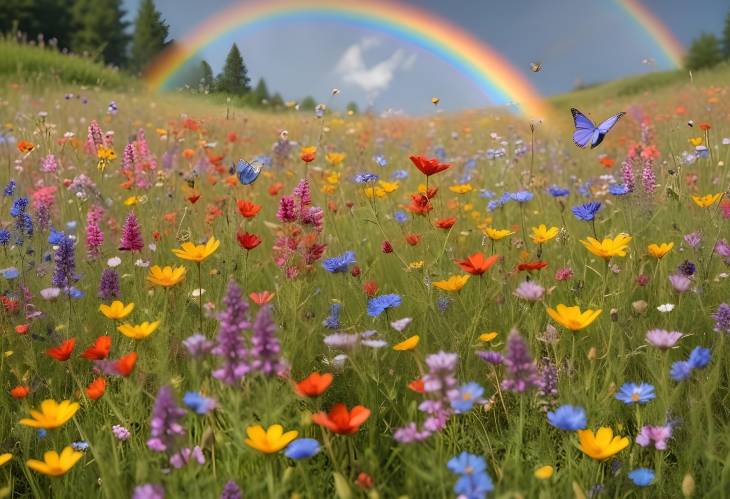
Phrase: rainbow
(500, 82)
(667, 42)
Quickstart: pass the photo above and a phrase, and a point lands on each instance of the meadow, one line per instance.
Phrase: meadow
(420, 271)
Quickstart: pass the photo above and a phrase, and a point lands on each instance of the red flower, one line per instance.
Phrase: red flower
(19, 392)
(370, 288)
(248, 209)
(413, 239)
(355, 271)
(420, 204)
(99, 350)
(705, 126)
(96, 388)
(428, 166)
(22, 328)
(232, 137)
(477, 264)
(341, 421)
(386, 247)
(417, 385)
(364, 481)
(63, 351)
(193, 198)
(532, 265)
(261, 297)
(275, 188)
(125, 365)
(247, 240)
(445, 223)
(313, 385)
(25, 147)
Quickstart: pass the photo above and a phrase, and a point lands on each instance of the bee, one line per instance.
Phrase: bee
(435, 101)
(535, 67)
(690, 123)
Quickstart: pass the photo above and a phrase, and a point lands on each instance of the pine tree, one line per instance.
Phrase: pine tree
(726, 37)
(234, 78)
(704, 52)
(150, 35)
(277, 100)
(99, 30)
(206, 78)
(261, 93)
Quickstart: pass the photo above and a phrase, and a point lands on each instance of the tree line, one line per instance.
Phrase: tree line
(708, 49)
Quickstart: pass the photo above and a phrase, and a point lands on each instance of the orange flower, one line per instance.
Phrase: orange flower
(261, 297)
(247, 240)
(308, 154)
(606, 162)
(125, 364)
(340, 420)
(63, 351)
(428, 166)
(188, 153)
(248, 209)
(417, 385)
(19, 392)
(96, 388)
(193, 198)
(99, 350)
(413, 239)
(25, 147)
(275, 188)
(532, 265)
(22, 328)
(313, 385)
(705, 126)
(445, 223)
(477, 264)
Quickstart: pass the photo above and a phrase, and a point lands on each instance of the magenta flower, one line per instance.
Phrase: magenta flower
(658, 435)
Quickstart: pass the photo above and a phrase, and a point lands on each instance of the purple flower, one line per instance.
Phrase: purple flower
(662, 339)
(131, 234)
(410, 433)
(722, 248)
(94, 240)
(681, 283)
(658, 435)
(491, 357)
(265, 347)
(231, 345)
(342, 341)
(722, 318)
(529, 291)
(627, 172)
(648, 178)
(109, 284)
(65, 258)
(148, 491)
(520, 373)
(165, 426)
(287, 209)
(693, 239)
(184, 456)
(680, 370)
(121, 433)
(198, 345)
(231, 490)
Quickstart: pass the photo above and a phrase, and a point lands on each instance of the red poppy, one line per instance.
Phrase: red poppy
(413, 239)
(22, 328)
(313, 385)
(355, 271)
(156, 235)
(96, 388)
(477, 264)
(193, 198)
(364, 481)
(428, 166)
(420, 204)
(370, 288)
(248, 209)
(99, 350)
(532, 265)
(275, 188)
(308, 157)
(705, 126)
(417, 385)
(125, 365)
(63, 351)
(261, 297)
(232, 137)
(25, 146)
(11, 306)
(445, 223)
(606, 162)
(19, 392)
(247, 240)
(341, 421)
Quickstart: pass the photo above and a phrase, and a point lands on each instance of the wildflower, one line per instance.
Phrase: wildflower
(379, 304)
(468, 394)
(693, 239)
(662, 339)
(608, 247)
(270, 440)
(658, 435)
(131, 234)
(453, 283)
(165, 425)
(477, 264)
(302, 448)
(121, 433)
(643, 477)
(666, 307)
(96, 388)
(148, 491)
(497, 234)
(5, 458)
(722, 318)
(138, 331)
(706, 200)
(166, 276)
(313, 385)
(408, 344)
(117, 310)
(52, 414)
(198, 403)
(568, 417)
(699, 358)
(63, 351)
(340, 420)
(231, 491)
(19, 392)
(445, 223)
(586, 212)
(618, 189)
(520, 371)
(648, 177)
(687, 268)
(198, 345)
(521, 196)
(25, 146)
(601, 445)
(428, 166)
(474, 481)
(339, 263)
(544, 472)
(265, 348)
(197, 253)
(183, 457)
(466, 464)
(530, 266)
(558, 192)
(308, 154)
(64, 274)
(230, 342)
(248, 209)
(680, 283)
(680, 370)
(541, 234)
(487, 337)
(491, 357)
(659, 250)
(572, 318)
(631, 393)
(529, 291)
(333, 319)
(55, 464)
(247, 240)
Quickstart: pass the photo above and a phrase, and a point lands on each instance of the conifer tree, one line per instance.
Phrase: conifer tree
(234, 78)
(150, 35)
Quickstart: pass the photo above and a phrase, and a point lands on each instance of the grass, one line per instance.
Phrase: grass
(188, 138)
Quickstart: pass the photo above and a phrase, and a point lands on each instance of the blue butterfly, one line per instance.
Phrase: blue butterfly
(248, 172)
(586, 131)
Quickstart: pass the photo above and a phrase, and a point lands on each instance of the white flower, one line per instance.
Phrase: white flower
(197, 292)
(401, 324)
(142, 263)
(114, 261)
(666, 307)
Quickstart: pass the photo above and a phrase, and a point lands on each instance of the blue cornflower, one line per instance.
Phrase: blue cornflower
(380, 160)
(486, 194)
(80, 446)
(75, 292)
(618, 189)
(4, 237)
(466, 464)
(474, 486)
(10, 188)
(493, 205)
(699, 358)
(680, 370)
(18, 207)
(400, 217)
(440, 153)
(558, 192)
(466, 396)
(568, 417)
(10, 273)
(642, 477)
(55, 237)
(522, 196)
(339, 263)
(71, 225)
(585, 189)
(366, 177)
(41, 432)
(333, 320)
(399, 175)
(631, 393)
(380, 304)
(442, 303)
(586, 212)
(198, 403)
(302, 448)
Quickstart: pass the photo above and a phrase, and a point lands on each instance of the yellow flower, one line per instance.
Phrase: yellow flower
(497, 234)
(544, 472)
(487, 337)
(541, 234)
(374, 192)
(388, 187)
(117, 310)
(603, 444)
(659, 250)
(608, 247)
(335, 158)
(408, 344)
(131, 201)
(52, 414)
(418, 264)
(138, 331)
(461, 188)
(197, 253)
(328, 189)
(4, 458)
(106, 153)
(269, 441)
(167, 276)
(695, 141)
(54, 464)
(332, 178)
(572, 318)
(707, 200)
(453, 283)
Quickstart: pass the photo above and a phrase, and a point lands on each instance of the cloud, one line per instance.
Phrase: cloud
(352, 68)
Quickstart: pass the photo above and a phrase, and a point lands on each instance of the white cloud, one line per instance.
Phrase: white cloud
(352, 68)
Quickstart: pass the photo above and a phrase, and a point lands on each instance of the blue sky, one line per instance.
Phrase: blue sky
(576, 40)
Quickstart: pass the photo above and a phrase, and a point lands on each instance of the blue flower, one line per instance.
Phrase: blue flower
(380, 304)
(522, 196)
(558, 192)
(339, 263)
(55, 237)
(568, 417)
(4, 237)
(466, 464)
(10, 188)
(380, 160)
(302, 448)
(618, 189)
(486, 194)
(400, 217)
(586, 212)
(333, 320)
(399, 175)
(19, 206)
(699, 358)
(631, 393)
(642, 476)
(585, 189)
(80, 446)
(440, 153)
(198, 403)
(10, 273)
(680, 370)
(474, 486)
(41, 432)
(467, 395)
(366, 177)
(75, 292)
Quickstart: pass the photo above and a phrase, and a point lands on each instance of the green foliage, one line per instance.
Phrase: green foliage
(705, 52)
(49, 18)
(150, 35)
(260, 94)
(352, 107)
(99, 30)
(206, 79)
(234, 77)
(726, 37)
(277, 101)
(308, 104)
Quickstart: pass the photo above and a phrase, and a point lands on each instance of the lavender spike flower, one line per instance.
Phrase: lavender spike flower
(65, 258)
(231, 345)
(648, 177)
(265, 347)
(627, 171)
(94, 240)
(131, 234)
(165, 426)
(231, 491)
(109, 284)
(520, 371)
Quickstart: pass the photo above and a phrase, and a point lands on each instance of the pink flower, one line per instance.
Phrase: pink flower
(662, 339)
(656, 434)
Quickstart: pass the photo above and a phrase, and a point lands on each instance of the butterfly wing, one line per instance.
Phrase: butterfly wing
(583, 128)
(604, 127)
(248, 172)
